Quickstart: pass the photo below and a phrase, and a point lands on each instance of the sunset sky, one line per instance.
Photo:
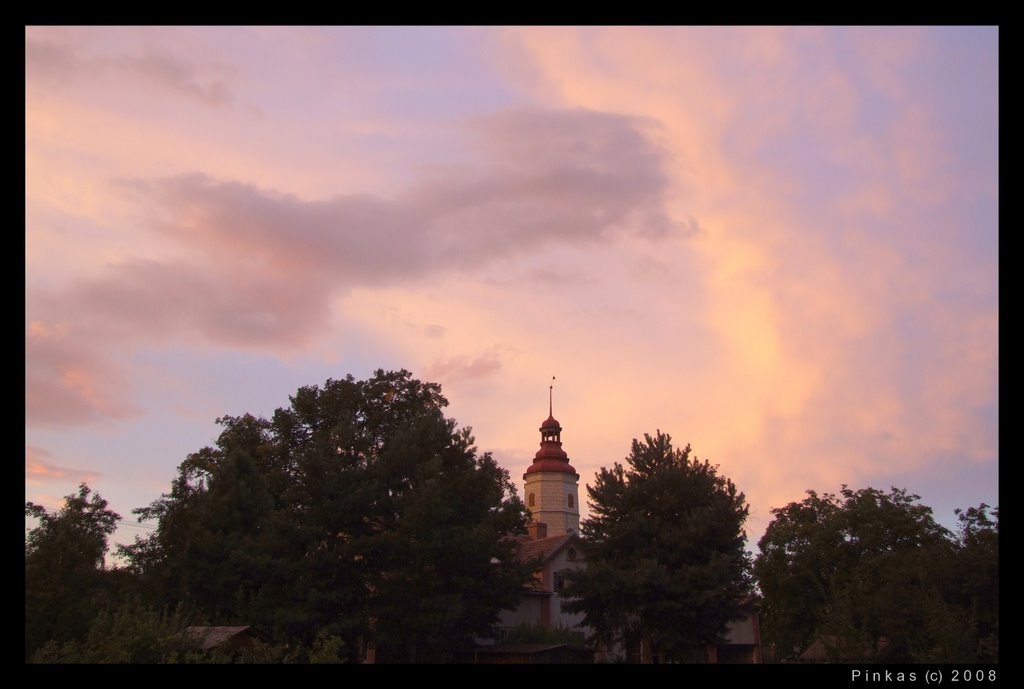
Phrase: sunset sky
(776, 244)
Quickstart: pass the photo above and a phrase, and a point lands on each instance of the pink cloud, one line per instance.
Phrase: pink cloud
(461, 367)
(259, 269)
(832, 349)
(50, 59)
(38, 469)
(68, 380)
(50, 502)
(233, 302)
(264, 265)
(582, 177)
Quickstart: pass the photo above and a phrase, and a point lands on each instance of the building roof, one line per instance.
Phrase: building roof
(818, 651)
(551, 456)
(526, 654)
(518, 648)
(211, 637)
(557, 465)
(543, 548)
(550, 422)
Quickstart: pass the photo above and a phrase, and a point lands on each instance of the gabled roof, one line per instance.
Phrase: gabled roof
(518, 648)
(819, 649)
(212, 637)
(543, 548)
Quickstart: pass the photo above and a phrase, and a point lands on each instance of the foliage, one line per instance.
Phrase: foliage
(127, 633)
(328, 649)
(869, 574)
(64, 567)
(358, 512)
(540, 634)
(665, 554)
(132, 633)
(976, 576)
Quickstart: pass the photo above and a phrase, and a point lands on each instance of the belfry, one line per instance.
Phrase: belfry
(552, 485)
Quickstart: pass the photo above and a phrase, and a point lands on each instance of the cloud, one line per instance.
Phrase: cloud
(227, 302)
(49, 60)
(264, 265)
(38, 469)
(430, 330)
(208, 85)
(258, 269)
(52, 503)
(462, 367)
(846, 323)
(69, 380)
(542, 177)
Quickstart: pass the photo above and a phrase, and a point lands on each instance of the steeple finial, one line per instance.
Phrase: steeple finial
(550, 392)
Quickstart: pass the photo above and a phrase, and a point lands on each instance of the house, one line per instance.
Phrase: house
(541, 601)
(743, 640)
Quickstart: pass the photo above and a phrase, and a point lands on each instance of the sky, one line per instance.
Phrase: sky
(778, 245)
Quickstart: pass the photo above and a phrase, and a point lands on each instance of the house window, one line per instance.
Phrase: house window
(556, 582)
(571, 501)
(531, 500)
(571, 555)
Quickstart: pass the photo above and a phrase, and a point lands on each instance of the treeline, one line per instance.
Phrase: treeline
(359, 521)
(869, 575)
(358, 516)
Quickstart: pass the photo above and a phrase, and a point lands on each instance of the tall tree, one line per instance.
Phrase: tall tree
(441, 562)
(63, 567)
(666, 564)
(868, 574)
(359, 511)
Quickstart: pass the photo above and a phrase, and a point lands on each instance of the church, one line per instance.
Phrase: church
(551, 493)
(552, 496)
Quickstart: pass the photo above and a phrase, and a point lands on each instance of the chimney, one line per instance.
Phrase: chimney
(538, 530)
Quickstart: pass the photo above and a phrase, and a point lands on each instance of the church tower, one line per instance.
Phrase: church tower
(552, 485)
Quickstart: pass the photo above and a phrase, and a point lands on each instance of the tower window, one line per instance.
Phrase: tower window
(571, 501)
(531, 500)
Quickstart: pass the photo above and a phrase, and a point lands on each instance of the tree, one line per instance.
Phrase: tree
(441, 561)
(870, 574)
(63, 567)
(976, 576)
(359, 513)
(666, 565)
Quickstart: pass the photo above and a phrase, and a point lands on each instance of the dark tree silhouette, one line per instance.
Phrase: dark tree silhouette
(664, 545)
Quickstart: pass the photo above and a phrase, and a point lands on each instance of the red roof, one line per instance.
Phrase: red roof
(550, 422)
(561, 465)
(551, 456)
(542, 548)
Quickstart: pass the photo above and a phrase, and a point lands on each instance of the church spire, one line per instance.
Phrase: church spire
(551, 456)
(552, 484)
